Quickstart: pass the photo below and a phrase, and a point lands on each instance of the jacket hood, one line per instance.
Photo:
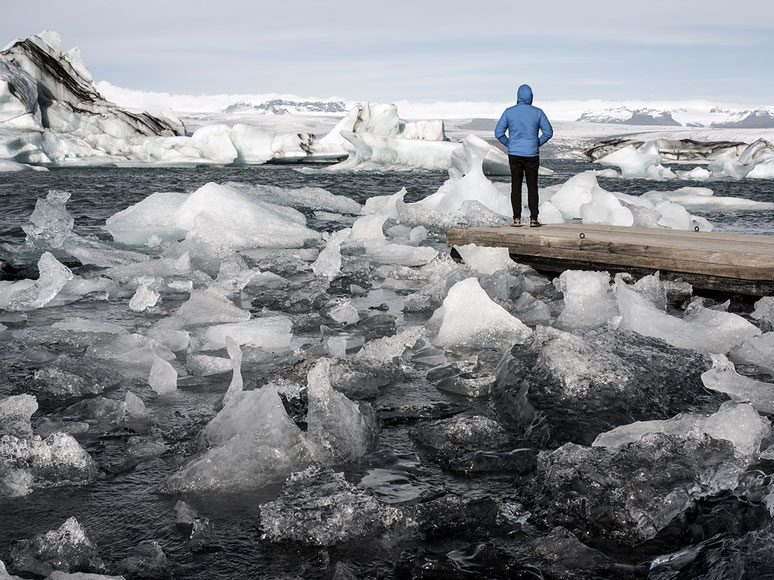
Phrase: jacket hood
(524, 95)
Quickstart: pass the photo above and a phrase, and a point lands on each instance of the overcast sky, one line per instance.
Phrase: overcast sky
(420, 50)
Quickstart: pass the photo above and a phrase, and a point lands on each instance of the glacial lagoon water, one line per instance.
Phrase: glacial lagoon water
(466, 496)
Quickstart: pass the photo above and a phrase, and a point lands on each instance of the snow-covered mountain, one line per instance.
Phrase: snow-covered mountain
(715, 117)
(288, 107)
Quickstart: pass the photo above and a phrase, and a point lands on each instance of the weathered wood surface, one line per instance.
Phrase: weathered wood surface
(721, 258)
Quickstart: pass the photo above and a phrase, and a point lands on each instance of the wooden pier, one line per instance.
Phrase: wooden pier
(735, 263)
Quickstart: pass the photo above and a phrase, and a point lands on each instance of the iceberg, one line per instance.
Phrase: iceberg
(467, 182)
(51, 113)
(216, 215)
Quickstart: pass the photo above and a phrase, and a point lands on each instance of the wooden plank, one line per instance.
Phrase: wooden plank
(651, 262)
(714, 259)
(733, 243)
(662, 251)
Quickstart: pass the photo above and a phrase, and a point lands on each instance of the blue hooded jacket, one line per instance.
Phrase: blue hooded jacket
(523, 122)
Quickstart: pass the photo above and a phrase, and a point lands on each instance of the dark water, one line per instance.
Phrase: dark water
(124, 506)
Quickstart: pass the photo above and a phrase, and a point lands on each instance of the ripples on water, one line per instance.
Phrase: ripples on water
(123, 508)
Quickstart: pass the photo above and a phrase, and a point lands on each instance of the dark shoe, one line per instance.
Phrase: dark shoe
(516, 222)
(533, 223)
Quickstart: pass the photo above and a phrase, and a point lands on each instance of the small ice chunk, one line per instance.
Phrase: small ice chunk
(634, 162)
(758, 351)
(204, 365)
(469, 318)
(341, 429)
(27, 464)
(486, 260)
(77, 324)
(50, 223)
(574, 193)
(321, 508)
(739, 423)
(344, 313)
(270, 332)
(15, 414)
(588, 301)
(204, 308)
(605, 208)
(130, 349)
(254, 443)
(387, 348)
(235, 388)
(343, 344)
(66, 549)
(163, 377)
(32, 294)
(384, 205)
(723, 377)
(701, 329)
(143, 299)
(133, 413)
(764, 310)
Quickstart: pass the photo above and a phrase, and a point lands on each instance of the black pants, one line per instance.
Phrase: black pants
(520, 166)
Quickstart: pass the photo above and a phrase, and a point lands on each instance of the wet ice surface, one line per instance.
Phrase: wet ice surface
(395, 412)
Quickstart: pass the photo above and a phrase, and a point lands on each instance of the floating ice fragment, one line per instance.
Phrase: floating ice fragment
(321, 508)
(235, 388)
(468, 183)
(739, 423)
(15, 414)
(701, 328)
(642, 162)
(574, 193)
(764, 311)
(32, 294)
(758, 351)
(205, 308)
(66, 549)
(50, 223)
(486, 260)
(143, 299)
(605, 208)
(341, 430)
(269, 332)
(253, 441)
(328, 262)
(723, 377)
(163, 377)
(384, 205)
(27, 464)
(344, 313)
(588, 300)
(469, 318)
(155, 216)
(77, 324)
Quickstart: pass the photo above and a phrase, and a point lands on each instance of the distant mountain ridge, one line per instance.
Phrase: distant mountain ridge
(716, 118)
(287, 107)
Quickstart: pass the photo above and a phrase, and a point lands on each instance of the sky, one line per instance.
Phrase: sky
(420, 50)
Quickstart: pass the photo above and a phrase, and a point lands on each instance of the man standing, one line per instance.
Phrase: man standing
(528, 129)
